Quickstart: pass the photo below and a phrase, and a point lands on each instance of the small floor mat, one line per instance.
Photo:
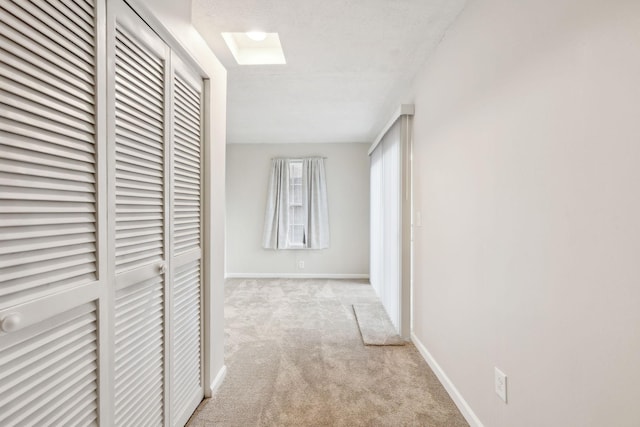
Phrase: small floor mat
(375, 326)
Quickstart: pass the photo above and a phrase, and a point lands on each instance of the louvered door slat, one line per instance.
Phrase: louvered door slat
(47, 150)
(71, 39)
(46, 51)
(54, 114)
(188, 141)
(61, 165)
(36, 65)
(140, 222)
(139, 153)
(79, 14)
(139, 54)
(187, 119)
(17, 94)
(54, 147)
(50, 17)
(187, 184)
(186, 237)
(50, 368)
(75, 413)
(139, 352)
(137, 80)
(15, 132)
(85, 5)
(127, 153)
(140, 120)
(187, 343)
(136, 69)
(130, 168)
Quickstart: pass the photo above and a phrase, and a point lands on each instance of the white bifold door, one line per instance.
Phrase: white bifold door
(100, 219)
(155, 177)
(52, 270)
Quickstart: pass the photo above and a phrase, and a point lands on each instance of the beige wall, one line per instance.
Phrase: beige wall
(527, 174)
(347, 169)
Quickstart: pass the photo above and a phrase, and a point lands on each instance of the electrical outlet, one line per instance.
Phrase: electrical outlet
(300, 265)
(501, 384)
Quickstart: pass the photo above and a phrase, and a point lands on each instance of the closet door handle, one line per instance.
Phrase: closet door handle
(10, 322)
(162, 268)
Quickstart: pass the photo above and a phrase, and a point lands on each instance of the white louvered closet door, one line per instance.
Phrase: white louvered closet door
(140, 220)
(186, 316)
(51, 284)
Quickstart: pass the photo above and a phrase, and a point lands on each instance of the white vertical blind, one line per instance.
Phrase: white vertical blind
(47, 149)
(375, 222)
(391, 232)
(386, 205)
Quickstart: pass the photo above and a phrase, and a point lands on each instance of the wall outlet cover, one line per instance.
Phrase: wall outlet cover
(501, 384)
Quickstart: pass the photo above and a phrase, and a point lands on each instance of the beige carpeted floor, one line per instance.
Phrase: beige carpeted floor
(375, 326)
(295, 358)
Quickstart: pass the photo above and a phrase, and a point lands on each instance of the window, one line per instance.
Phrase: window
(296, 231)
(296, 215)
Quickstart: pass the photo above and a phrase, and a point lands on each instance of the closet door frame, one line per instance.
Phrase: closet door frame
(104, 272)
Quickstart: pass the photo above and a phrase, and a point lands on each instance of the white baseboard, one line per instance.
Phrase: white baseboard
(462, 404)
(293, 276)
(217, 381)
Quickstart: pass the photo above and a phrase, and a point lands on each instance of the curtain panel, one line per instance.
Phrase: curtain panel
(314, 203)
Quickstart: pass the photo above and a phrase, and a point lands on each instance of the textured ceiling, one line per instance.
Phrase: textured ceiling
(349, 64)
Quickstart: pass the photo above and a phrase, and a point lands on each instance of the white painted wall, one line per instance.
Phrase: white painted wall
(347, 169)
(175, 17)
(527, 172)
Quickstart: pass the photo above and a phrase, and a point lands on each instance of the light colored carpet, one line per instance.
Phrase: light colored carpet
(295, 358)
(375, 326)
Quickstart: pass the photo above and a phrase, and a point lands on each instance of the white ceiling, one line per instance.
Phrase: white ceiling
(350, 63)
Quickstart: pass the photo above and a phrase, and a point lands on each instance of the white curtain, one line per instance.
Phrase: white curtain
(315, 194)
(315, 207)
(276, 215)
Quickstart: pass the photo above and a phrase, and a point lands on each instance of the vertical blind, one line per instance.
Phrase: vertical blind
(385, 222)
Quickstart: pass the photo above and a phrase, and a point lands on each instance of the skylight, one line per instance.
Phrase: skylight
(248, 49)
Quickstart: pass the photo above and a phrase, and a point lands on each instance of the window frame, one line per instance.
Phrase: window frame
(295, 188)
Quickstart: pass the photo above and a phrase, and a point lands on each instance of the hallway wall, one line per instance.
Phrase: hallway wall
(347, 169)
(527, 164)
